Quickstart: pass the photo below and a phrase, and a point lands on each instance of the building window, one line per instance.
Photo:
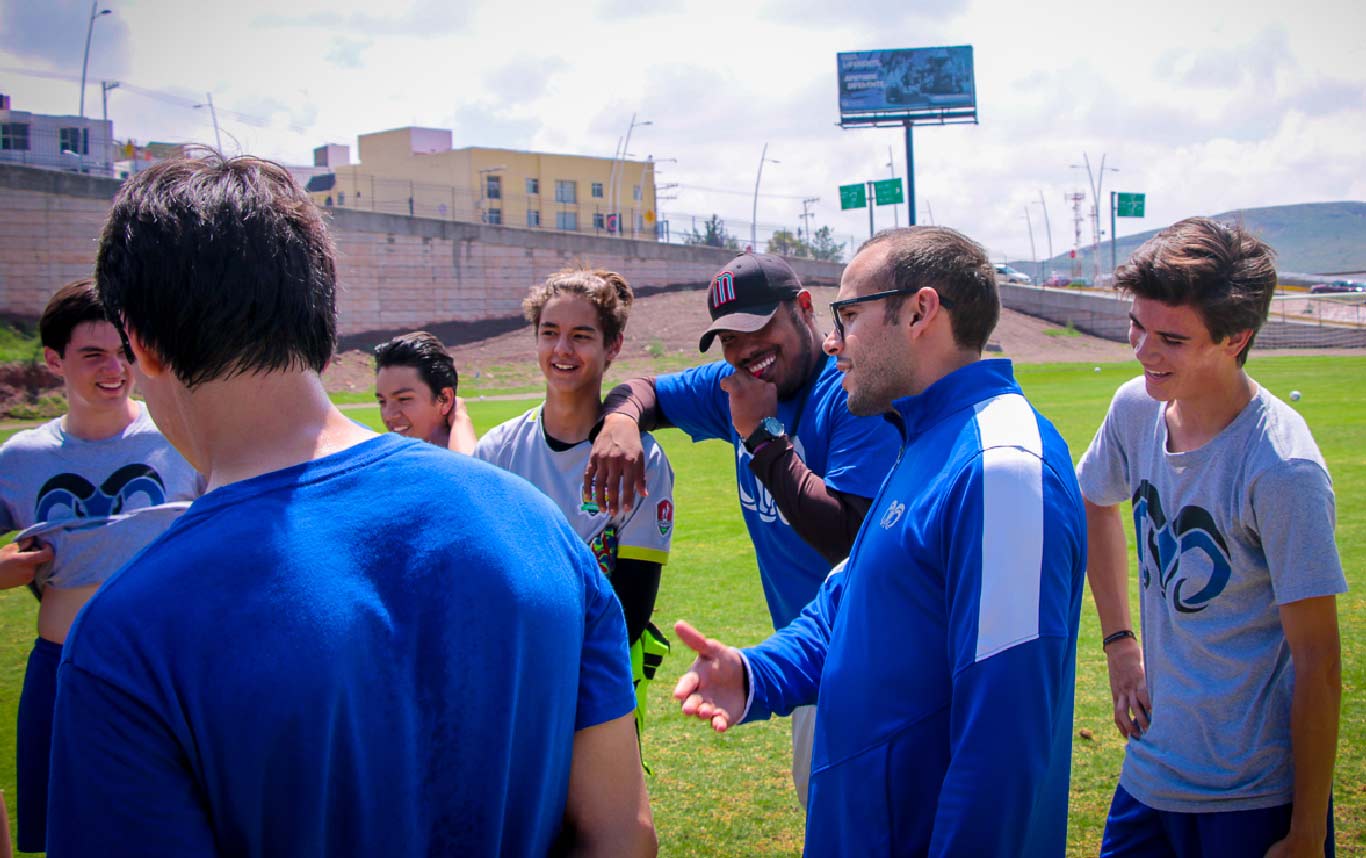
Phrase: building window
(341, 198)
(635, 192)
(533, 217)
(75, 140)
(494, 216)
(597, 190)
(566, 191)
(640, 223)
(14, 135)
(598, 221)
(533, 186)
(567, 220)
(494, 189)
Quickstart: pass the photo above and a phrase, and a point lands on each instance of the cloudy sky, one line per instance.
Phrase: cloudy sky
(1204, 106)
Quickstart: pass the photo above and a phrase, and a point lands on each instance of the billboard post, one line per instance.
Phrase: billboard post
(907, 87)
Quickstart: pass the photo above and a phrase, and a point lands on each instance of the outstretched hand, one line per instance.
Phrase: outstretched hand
(714, 687)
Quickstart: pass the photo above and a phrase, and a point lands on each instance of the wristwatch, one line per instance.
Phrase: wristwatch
(769, 429)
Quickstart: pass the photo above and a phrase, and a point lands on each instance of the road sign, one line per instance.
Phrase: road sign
(853, 196)
(1129, 205)
(888, 192)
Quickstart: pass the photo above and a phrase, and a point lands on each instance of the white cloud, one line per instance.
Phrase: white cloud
(1203, 106)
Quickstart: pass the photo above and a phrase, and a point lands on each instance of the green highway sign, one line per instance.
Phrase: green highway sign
(853, 196)
(1129, 205)
(888, 192)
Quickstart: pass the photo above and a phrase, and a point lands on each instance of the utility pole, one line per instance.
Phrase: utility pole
(1076, 198)
(213, 114)
(1033, 254)
(105, 86)
(807, 215)
(891, 169)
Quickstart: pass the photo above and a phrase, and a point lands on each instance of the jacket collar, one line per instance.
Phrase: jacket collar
(960, 389)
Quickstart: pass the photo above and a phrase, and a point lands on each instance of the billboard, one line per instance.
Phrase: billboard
(906, 82)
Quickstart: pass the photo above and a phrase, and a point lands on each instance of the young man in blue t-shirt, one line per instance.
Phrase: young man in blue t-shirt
(316, 659)
(1231, 702)
(805, 468)
(942, 658)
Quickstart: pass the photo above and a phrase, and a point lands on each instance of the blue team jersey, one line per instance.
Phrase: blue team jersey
(942, 658)
(386, 651)
(851, 454)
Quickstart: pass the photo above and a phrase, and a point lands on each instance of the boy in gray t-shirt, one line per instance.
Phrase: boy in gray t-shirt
(1233, 516)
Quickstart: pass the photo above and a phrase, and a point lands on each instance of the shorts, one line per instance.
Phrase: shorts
(34, 750)
(1134, 830)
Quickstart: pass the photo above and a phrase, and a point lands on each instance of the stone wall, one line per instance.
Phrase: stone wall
(395, 273)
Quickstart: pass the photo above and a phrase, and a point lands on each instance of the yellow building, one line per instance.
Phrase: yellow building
(414, 171)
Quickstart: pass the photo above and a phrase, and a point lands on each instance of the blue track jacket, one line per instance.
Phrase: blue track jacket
(942, 659)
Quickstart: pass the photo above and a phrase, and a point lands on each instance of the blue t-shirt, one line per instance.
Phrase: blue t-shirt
(942, 659)
(386, 651)
(851, 454)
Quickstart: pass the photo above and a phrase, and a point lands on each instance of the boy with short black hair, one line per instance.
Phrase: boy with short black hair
(96, 485)
(415, 386)
(1232, 700)
(316, 659)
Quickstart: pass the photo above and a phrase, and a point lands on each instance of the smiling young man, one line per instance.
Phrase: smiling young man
(96, 484)
(942, 658)
(579, 320)
(805, 468)
(415, 385)
(1231, 702)
(316, 659)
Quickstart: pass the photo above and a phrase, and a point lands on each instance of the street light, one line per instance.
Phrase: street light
(891, 171)
(213, 114)
(1096, 180)
(95, 12)
(754, 216)
(619, 173)
(1048, 228)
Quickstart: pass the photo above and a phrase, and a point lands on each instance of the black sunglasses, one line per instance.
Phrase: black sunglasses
(836, 306)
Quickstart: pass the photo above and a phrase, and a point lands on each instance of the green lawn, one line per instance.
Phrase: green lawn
(731, 794)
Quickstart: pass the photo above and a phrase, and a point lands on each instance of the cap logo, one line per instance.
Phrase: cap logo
(722, 289)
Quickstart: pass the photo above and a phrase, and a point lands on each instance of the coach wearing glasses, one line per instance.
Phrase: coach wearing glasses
(944, 653)
(805, 468)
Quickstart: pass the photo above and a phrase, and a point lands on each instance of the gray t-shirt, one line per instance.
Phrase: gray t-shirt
(1226, 533)
(50, 475)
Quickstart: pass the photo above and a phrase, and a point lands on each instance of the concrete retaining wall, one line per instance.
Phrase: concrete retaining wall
(395, 273)
(1106, 315)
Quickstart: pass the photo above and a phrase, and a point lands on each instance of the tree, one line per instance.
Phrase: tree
(715, 235)
(824, 246)
(784, 243)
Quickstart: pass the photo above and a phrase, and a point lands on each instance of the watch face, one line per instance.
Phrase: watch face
(773, 426)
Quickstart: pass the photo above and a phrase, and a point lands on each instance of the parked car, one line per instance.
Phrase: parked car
(1058, 280)
(1006, 274)
(1337, 286)
(1080, 281)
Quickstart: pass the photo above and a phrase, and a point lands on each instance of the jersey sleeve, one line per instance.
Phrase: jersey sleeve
(605, 688)
(492, 447)
(785, 670)
(648, 533)
(1104, 469)
(122, 777)
(693, 401)
(1297, 537)
(9, 519)
(863, 451)
(1013, 547)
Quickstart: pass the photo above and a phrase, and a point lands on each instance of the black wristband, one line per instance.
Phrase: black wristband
(1118, 636)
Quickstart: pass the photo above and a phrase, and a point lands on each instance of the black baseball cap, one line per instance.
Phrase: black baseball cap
(745, 294)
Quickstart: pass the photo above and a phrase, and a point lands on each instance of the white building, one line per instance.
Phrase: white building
(74, 143)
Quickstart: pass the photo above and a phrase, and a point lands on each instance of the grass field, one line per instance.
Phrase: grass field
(731, 794)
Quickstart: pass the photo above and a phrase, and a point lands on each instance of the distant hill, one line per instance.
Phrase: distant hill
(1309, 238)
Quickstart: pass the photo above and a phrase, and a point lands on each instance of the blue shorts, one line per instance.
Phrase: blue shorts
(1134, 830)
(35, 743)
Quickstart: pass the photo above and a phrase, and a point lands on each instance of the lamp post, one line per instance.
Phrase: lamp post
(620, 174)
(1033, 254)
(754, 216)
(1096, 180)
(95, 12)
(891, 171)
(1048, 228)
(213, 114)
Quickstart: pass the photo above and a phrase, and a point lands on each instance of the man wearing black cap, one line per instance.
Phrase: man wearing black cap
(806, 469)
